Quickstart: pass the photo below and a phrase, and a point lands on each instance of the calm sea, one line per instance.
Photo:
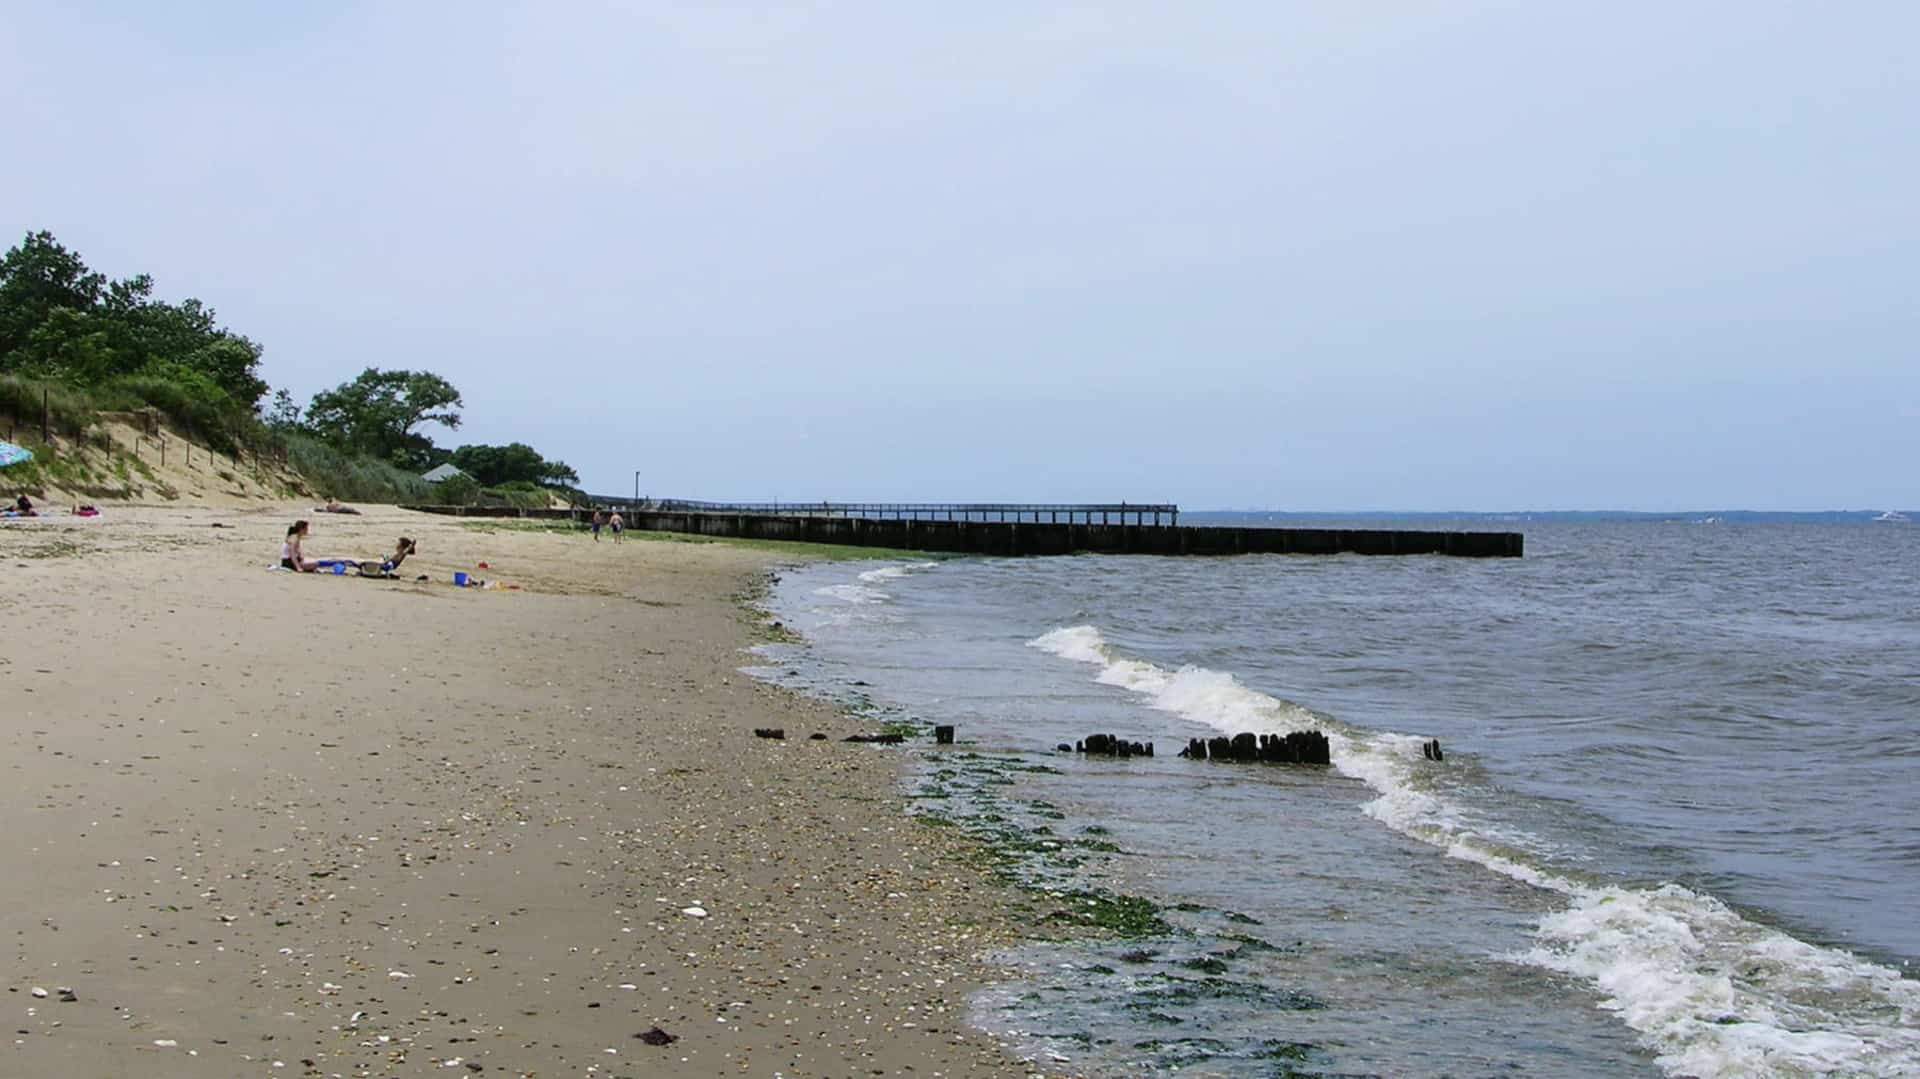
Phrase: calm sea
(1677, 829)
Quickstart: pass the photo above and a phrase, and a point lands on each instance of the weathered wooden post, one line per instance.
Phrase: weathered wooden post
(943, 735)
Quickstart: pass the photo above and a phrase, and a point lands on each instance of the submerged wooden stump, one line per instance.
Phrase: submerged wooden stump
(1295, 747)
(1108, 745)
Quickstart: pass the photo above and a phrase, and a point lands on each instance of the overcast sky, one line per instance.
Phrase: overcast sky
(1291, 255)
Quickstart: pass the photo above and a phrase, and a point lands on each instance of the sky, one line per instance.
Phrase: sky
(1299, 256)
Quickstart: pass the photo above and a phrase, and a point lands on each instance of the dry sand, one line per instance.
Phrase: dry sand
(265, 823)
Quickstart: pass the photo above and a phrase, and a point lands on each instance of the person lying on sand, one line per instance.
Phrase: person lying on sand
(335, 507)
(23, 507)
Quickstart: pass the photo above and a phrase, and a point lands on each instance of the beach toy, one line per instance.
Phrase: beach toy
(339, 568)
(483, 565)
(459, 579)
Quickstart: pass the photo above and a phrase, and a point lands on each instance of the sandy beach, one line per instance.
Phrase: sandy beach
(265, 823)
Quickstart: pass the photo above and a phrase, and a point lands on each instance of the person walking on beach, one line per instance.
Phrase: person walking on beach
(599, 518)
(614, 522)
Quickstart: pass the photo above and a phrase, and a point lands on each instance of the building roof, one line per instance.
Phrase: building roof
(442, 472)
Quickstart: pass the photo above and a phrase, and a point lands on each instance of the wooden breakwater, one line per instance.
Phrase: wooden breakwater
(1015, 538)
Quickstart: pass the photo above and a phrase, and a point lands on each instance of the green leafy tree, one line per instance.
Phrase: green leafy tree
(515, 462)
(70, 345)
(378, 412)
(37, 278)
(284, 413)
(61, 320)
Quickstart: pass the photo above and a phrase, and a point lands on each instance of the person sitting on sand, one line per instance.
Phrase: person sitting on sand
(400, 552)
(290, 554)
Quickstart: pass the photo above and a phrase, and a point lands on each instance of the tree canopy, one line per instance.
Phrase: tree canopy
(377, 413)
(61, 320)
(515, 462)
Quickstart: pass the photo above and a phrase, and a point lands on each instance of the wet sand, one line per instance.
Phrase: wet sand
(262, 823)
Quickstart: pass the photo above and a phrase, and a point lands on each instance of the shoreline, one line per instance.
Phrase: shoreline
(267, 823)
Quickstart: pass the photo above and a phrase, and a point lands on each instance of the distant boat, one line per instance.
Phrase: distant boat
(1893, 517)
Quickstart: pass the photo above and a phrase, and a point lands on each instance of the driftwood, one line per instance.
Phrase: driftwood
(1295, 747)
(878, 739)
(777, 733)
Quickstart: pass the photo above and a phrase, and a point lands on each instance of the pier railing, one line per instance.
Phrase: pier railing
(1118, 513)
(1007, 529)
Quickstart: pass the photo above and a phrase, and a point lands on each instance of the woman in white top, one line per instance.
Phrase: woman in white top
(290, 555)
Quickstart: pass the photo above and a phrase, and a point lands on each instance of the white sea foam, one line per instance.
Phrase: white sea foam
(1711, 993)
(894, 573)
(857, 594)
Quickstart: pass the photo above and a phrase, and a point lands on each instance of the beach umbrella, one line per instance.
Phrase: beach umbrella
(11, 454)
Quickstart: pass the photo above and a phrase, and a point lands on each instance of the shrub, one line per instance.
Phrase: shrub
(70, 411)
(352, 478)
(457, 491)
(520, 495)
(194, 402)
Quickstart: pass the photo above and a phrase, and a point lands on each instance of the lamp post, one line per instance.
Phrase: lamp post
(636, 490)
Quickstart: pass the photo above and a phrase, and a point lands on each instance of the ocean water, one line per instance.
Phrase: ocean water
(1677, 829)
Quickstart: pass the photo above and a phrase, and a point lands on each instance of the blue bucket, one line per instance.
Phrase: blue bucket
(339, 568)
(459, 579)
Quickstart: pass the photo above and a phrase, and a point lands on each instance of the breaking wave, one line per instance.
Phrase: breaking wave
(1711, 993)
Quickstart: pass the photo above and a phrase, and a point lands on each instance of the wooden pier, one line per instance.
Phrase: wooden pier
(1009, 529)
(1118, 513)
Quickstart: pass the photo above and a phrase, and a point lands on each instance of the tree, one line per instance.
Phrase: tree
(377, 412)
(37, 278)
(515, 462)
(284, 415)
(59, 319)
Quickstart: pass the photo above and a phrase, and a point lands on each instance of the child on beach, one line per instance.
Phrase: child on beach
(599, 519)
